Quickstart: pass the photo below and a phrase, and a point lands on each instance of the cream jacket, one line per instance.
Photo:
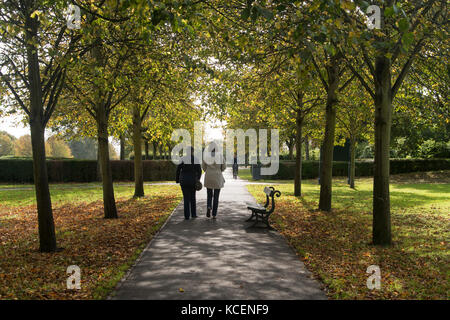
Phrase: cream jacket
(213, 175)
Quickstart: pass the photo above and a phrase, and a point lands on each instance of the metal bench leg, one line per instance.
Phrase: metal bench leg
(251, 218)
(266, 221)
(256, 221)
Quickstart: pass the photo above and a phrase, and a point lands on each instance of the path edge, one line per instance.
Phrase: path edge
(139, 258)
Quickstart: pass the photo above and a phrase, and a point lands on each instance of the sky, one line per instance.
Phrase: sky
(13, 126)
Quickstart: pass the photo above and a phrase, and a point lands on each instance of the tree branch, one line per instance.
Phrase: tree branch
(360, 78)
(406, 68)
(320, 73)
(16, 95)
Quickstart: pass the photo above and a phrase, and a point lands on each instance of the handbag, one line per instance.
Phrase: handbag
(198, 185)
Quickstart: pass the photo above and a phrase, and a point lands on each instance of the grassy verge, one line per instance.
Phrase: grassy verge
(336, 246)
(103, 249)
(24, 195)
(244, 173)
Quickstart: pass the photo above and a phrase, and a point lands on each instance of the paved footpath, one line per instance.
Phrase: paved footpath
(218, 259)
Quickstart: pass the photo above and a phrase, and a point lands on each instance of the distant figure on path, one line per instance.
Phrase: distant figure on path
(235, 167)
(214, 181)
(188, 173)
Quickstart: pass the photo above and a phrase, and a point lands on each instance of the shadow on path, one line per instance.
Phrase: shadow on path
(218, 259)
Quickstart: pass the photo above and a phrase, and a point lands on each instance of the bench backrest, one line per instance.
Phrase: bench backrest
(270, 193)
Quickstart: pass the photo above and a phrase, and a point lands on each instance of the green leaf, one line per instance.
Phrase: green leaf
(395, 8)
(254, 14)
(388, 12)
(266, 13)
(330, 49)
(364, 5)
(403, 25)
(407, 39)
(245, 14)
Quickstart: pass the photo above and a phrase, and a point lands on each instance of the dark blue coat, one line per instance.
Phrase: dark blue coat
(188, 173)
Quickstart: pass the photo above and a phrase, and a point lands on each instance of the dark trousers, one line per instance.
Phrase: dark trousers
(190, 208)
(213, 193)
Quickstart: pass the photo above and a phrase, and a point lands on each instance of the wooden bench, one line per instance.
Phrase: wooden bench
(262, 213)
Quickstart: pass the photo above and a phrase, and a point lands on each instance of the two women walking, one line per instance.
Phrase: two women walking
(189, 173)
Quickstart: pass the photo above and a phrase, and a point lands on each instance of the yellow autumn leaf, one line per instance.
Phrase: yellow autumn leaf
(35, 13)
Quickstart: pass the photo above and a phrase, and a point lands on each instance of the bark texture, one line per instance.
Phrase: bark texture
(122, 147)
(101, 109)
(383, 110)
(137, 144)
(328, 141)
(109, 202)
(298, 157)
(47, 238)
(352, 163)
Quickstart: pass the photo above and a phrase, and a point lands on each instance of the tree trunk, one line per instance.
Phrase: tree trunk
(154, 150)
(137, 144)
(101, 109)
(298, 157)
(122, 147)
(169, 148)
(290, 144)
(47, 238)
(109, 201)
(306, 148)
(146, 150)
(99, 170)
(328, 141)
(381, 203)
(352, 163)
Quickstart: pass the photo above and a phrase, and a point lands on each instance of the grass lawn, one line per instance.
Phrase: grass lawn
(336, 246)
(24, 195)
(244, 173)
(103, 249)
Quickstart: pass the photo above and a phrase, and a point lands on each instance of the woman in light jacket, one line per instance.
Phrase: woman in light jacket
(213, 182)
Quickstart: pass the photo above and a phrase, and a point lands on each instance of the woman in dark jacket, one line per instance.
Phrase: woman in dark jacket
(188, 173)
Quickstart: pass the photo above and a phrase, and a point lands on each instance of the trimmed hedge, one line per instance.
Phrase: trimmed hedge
(21, 170)
(310, 169)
